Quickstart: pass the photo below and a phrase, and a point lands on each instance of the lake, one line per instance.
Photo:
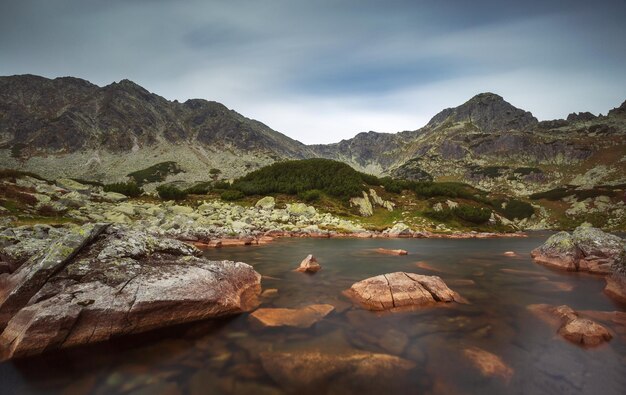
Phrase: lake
(223, 356)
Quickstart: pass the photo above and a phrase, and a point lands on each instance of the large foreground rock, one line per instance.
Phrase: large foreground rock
(586, 249)
(356, 372)
(121, 283)
(400, 289)
(571, 326)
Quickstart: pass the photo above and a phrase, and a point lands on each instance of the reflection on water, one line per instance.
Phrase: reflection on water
(224, 356)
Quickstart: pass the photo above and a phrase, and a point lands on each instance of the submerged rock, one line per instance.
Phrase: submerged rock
(577, 330)
(95, 284)
(489, 365)
(309, 265)
(586, 249)
(400, 289)
(303, 317)
(356, 372)
(616, 287)
(391, 252)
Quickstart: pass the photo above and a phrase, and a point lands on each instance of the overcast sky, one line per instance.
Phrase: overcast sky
(320, 70)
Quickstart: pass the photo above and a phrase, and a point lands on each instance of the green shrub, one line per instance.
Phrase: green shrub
(524, 171)
(155, 173)
(201, 188)
(476, 215)
(517, 209)
(221, 185)
(170, 192)
(231, 195)
(129, 189)
(310, 196)
(13, 174)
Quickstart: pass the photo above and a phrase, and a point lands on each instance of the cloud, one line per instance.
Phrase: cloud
(325, 70)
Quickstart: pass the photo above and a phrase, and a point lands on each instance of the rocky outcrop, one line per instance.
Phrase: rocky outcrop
(586, 249)
(571, 326)
(309, 265)
(363, 204)
(401, 290)
(353, 372)
(303, 317)
(94, 284)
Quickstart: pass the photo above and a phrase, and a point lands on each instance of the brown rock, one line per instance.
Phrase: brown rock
(337, 373)
(388, 291)
(616, 287)
(120, 296)
(309, 265)
(391, 252)
(300, 318)
(489, 365)
(510, 253)
(578, 330)
(585, 332)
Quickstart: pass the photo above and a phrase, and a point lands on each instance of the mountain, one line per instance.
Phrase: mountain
(71, 127)
(489, 143)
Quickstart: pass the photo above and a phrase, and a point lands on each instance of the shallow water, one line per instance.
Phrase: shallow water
(223, 356)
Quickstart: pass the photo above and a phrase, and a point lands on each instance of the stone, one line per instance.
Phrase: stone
(586, 249)
(112, 197)
(399, 230)
(266, 203)
(571, 326)
(303, 317)
(354, 371)
(364, 205)
(391, 252)
(616, 287)
(72, 185)
(117, 283)
(18, 288)
(301, 210)
(584, 331)
(309, 265)
(400, 289)
(488, 364)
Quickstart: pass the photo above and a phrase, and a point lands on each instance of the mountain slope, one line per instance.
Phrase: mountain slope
(489, 143)
(70, 127)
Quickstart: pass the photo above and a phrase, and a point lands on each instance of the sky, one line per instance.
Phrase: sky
(321, 71)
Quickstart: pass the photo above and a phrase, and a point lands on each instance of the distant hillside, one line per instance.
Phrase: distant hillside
(70, 127)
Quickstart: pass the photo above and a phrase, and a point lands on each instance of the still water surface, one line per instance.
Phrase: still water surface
(223, 357)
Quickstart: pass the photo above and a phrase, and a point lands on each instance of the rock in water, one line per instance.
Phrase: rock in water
(354, 372)
(586, 249)
(391, 252)
(577, 330)
(616, 287)
(300, 318)
(122, 283)
(309, 265)
(400, 289)
(489, 365)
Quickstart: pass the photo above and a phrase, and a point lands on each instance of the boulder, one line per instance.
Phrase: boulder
(398, 230)
(364, 205)
(309, 265)
(350, 372)
(303, 317)
(266, 203)
(301, 210)
(113, 282)
(571, 326)
(488, 364)
(586, 249)
(391, 252)
(18, 288)
(72, 185)
(400, 289)
(616, 287)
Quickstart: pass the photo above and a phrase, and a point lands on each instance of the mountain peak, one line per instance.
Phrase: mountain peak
(487, 111)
